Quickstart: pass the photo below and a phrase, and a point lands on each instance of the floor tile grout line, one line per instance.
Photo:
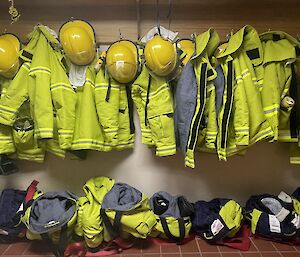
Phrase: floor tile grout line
(160, 251)
(219, 251)
(6, 249)
(276, 249)
(295, 248)
(252, 242)
(216, 252)
(180, 253)
(198, 246)
(240, 252)
(29, 245)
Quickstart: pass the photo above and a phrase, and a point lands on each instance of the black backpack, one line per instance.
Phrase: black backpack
(13, 204)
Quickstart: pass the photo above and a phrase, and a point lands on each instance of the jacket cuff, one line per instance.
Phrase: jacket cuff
(44, 133)
(7, 115)
(242, 137)
(210, 140)
(147, 137)
(65, 138)
(111, 135)
(189, 160)
(166, 150)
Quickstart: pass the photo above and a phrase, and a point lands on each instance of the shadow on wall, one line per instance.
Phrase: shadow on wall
(65, 174)
(264, 168)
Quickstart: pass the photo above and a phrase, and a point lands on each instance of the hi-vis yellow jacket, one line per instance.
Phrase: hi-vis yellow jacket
(280, 53)
(88, 133)
(89, 224)
(241, 120)
(15, 104)
(203, 127)
(6, 139)
(153, 99)
(54, 99)
(115, 111)
(280, 62)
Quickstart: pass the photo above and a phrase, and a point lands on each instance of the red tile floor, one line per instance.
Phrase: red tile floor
(195, 248)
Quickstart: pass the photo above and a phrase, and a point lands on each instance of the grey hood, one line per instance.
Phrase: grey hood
(51, 211)
(122, 197)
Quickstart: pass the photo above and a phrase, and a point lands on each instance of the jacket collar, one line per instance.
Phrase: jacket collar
(208, 40)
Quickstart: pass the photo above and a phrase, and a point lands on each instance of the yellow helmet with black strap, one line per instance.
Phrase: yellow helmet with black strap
(122, 61)
(160, 56)
(187, 48)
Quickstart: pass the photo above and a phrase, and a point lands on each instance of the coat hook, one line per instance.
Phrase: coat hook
(120, 35)
(12, 10)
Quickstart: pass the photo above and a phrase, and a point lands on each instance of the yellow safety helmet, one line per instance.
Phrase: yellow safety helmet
(160, 56)
(122, 61)
(188, 48)
(9, 55)
(78, 41)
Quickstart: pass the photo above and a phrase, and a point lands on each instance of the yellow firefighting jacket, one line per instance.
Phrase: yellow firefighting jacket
(54, 102)
(242, 121)
(17, 104)
(280, 52)
(153, 100)
(6, 139)
(203, 128)
(88, 133)
(115, 110)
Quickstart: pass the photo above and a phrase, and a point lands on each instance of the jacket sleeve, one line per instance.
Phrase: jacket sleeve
(16, 95)
(107, 98)
(240, 108)
(64, 102)
(212, 127)
(41, 74)
(161, 117)
(138, 94)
